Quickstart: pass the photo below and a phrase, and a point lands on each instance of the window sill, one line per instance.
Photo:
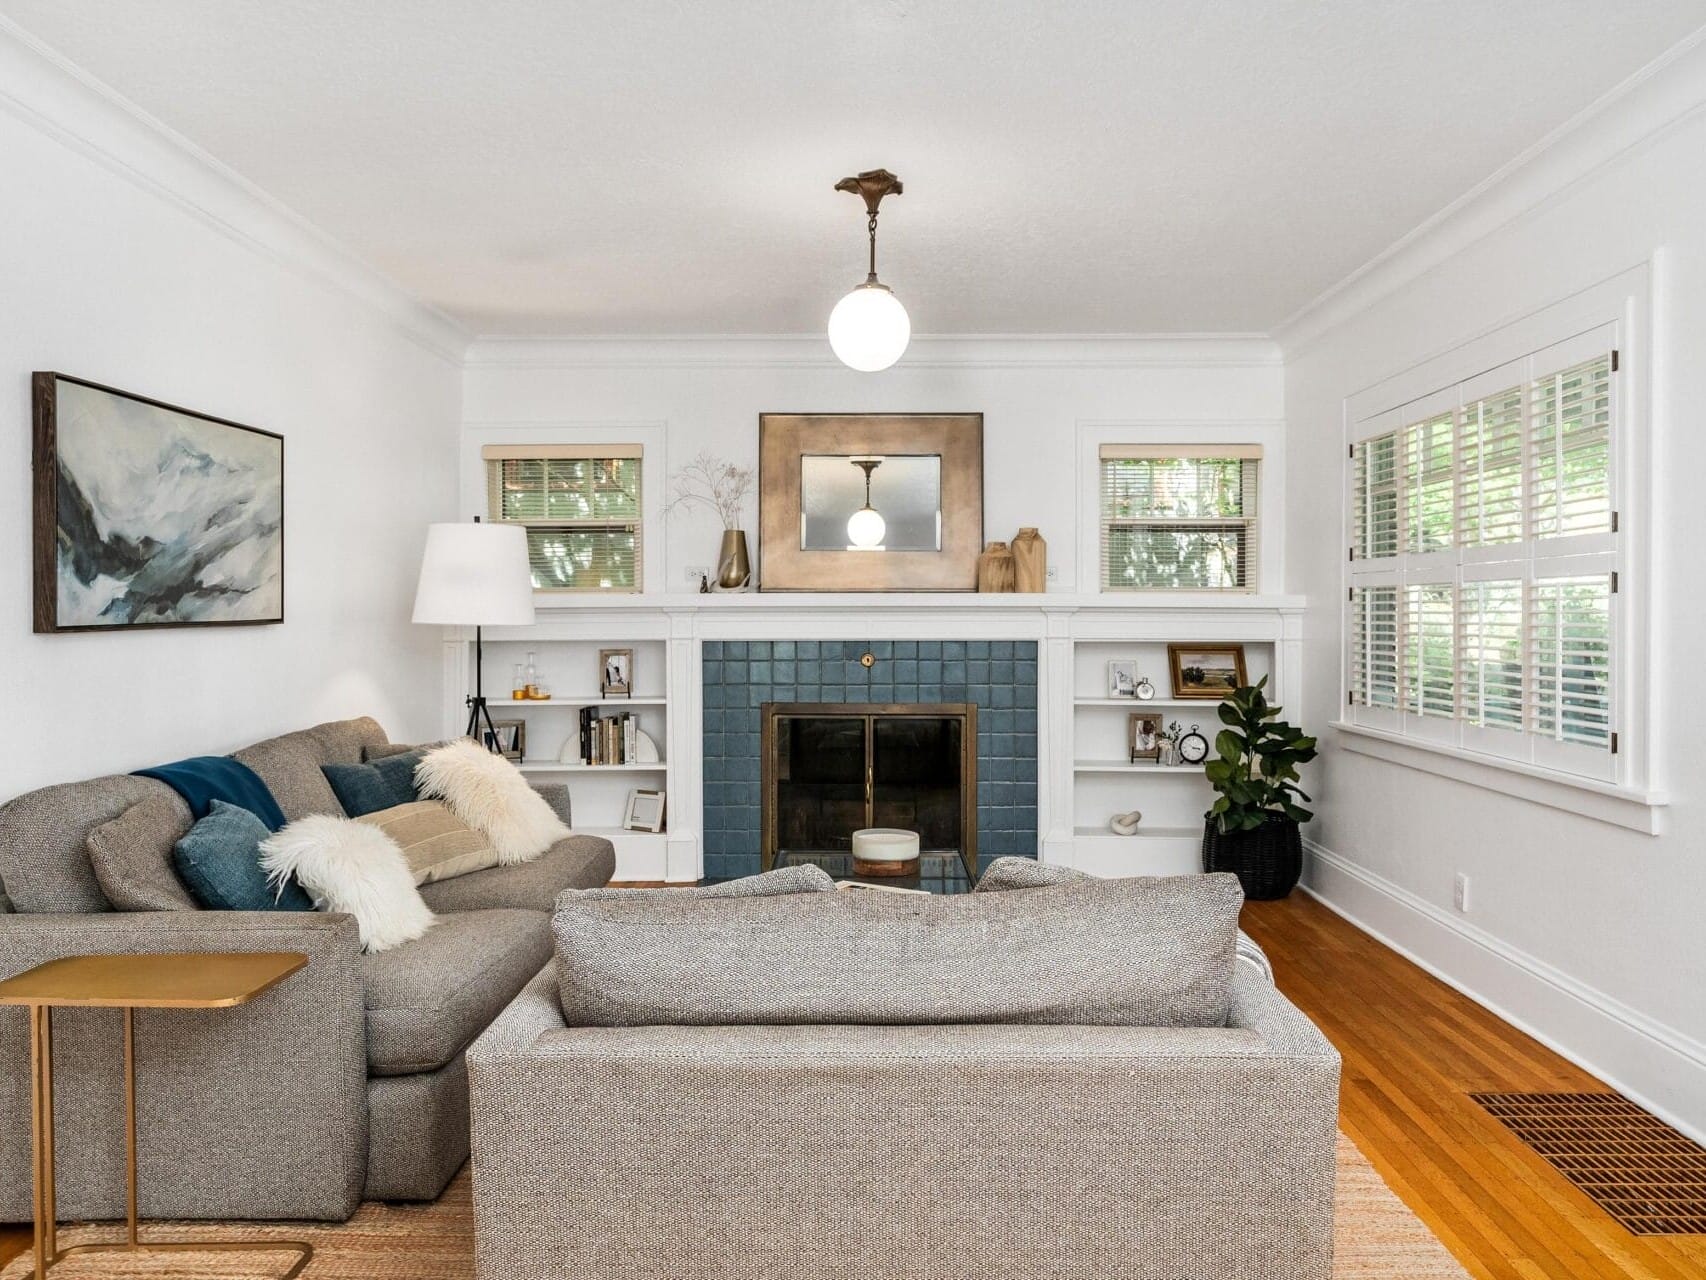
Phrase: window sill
(1629, 807)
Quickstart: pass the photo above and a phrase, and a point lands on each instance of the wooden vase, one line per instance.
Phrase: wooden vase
(1030, 561)
(995, 568)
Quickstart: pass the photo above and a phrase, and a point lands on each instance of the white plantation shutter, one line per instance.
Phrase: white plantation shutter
(1491, 662)
(1374, 465)
(1429, 483)
(1374, 646)
(1569, 660)
(1483, 563)
(1489, 471)
(580, 506)
(1569, 437)
(1428, 664)
(1179, 517)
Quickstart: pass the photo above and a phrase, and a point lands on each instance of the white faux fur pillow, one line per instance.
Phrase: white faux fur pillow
(351, 867)
(489, 794)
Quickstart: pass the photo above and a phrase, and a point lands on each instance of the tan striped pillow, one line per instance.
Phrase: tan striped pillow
(436, 843)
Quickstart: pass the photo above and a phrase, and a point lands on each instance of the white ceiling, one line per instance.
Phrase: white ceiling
(650, 167)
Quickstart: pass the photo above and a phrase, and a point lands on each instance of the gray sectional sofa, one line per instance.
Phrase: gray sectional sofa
(1076, 1081)
(347, 1082)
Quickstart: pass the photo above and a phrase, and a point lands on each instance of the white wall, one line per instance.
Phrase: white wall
(1042, 400)
(1588, 933)
(130, 261)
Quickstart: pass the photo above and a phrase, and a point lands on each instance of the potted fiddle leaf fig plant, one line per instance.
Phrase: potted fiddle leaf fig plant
(1252, 829)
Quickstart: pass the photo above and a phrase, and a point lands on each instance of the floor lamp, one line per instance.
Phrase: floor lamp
(476, 575)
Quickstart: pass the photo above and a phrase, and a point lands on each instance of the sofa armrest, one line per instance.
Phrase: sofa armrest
(1257, 1006)
(556, 794)
(257, 1111)
(511, 1037)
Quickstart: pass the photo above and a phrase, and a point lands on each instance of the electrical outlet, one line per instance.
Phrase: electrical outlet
(1052, 575)
(1460, 892)
(697, 572)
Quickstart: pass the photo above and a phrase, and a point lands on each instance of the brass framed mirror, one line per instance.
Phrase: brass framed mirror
(870, 501)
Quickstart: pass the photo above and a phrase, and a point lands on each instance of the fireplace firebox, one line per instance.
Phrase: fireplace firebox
(830, 769)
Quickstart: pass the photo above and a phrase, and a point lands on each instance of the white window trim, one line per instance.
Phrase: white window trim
(1633, 792)
(651, 437)
(1270, 510)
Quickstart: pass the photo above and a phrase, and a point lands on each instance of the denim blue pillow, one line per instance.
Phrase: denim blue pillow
(219, 861)
(379, 784)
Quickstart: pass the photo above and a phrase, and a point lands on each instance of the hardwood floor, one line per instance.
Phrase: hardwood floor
(1413, 1050)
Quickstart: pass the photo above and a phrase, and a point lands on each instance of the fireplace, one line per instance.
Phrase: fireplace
(830, 769)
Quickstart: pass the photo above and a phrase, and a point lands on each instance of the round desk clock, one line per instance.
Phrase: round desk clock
(1193, 747)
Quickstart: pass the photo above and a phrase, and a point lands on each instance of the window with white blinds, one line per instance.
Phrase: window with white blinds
(580, 506)
(1481, 609)
(1179, 517)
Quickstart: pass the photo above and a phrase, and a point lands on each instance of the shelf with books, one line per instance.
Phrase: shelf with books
(549, 766)
(583, 700)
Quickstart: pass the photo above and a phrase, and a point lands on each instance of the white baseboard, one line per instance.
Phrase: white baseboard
(1654, 1065)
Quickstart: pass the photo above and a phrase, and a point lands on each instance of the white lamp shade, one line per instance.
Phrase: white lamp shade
(865, 528)
(475, 575)
(869, 329)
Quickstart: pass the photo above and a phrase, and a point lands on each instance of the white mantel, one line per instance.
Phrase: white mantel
(1061, 623)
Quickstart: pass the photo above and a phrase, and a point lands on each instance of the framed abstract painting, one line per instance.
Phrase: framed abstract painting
(148, 515)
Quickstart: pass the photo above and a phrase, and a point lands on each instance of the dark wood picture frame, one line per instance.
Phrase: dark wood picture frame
(785, 438)
(1183, 688)
(45, 495)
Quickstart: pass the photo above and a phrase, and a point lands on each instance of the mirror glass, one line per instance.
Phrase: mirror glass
(906, 491)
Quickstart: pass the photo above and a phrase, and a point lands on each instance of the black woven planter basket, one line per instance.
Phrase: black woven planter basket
(1267, 861)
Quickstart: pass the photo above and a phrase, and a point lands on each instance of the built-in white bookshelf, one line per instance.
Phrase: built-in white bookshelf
(1106, 781)
(598, 794)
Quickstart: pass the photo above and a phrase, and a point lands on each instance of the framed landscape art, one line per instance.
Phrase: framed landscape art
(148, 515)
(1208, 671)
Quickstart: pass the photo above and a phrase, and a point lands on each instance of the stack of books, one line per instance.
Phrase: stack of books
(607, 739)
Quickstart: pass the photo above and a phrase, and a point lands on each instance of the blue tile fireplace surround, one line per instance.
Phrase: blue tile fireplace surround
(999, 676)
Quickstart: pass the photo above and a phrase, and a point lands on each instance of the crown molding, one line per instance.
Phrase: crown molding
(44, 90)
(1661, 96)
(929, 351)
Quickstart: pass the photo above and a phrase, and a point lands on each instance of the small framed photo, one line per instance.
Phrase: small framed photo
(1206, 671)
(1122, 679)
(645, 811)
(1145, 737)
(511, 739)
(616, 673)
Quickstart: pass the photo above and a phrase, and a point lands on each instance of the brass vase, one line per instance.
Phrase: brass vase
(733, 565)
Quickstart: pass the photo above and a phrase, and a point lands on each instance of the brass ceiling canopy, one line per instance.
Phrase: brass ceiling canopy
(871, 186)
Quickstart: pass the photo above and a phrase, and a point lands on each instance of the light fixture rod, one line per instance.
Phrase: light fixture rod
(871, 186)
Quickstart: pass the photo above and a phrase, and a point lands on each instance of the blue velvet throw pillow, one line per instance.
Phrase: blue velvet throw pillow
(379, 784)
(219, 861)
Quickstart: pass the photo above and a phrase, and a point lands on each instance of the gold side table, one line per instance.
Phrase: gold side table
(130, 982)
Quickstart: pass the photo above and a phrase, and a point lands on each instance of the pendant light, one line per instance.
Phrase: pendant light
(869, 329)
(866, 527)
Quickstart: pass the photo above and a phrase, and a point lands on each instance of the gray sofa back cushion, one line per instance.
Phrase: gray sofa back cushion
(806, 878)
(132, 855)
(1025, 873)
(1139, 952)
(44, 859)
(290, 764)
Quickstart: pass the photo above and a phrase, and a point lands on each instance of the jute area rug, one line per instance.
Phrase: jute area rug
(1375, 1238)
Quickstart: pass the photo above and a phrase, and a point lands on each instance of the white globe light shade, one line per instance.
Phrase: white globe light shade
(869, 329)
(865, 528)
